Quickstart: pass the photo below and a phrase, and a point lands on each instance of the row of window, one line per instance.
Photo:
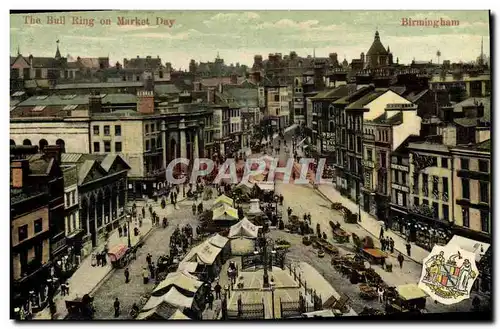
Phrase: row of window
(107, 147)
(485, 219)
(484, 194)
(435, 208)
(23, 230)
(425, 183)
(153, 144)
(107, 130)
(151, 128)
(482, 165)
(70, 198)
(71, 223)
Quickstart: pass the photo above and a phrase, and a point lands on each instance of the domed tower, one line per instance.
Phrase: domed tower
(377, 56)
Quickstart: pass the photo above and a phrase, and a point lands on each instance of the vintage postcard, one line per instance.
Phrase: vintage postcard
(250, 165)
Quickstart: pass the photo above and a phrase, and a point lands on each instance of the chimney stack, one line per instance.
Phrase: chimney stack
(210, 95)
(19, 170)
(95, 103)
(197, 86)
(53, 151)
(145, 102)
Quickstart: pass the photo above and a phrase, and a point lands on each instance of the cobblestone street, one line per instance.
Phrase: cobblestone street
(157, 244)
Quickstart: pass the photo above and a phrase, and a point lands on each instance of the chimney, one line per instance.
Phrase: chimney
(53, 151)
(450, 136)
(221, 87)
(19, 170)
(197, 86)
(482, 134)
(234, 79)
(95, 103)
(31, 60)
(145, 102)
(210, 95)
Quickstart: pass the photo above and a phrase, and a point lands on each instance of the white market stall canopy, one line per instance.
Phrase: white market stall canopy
(244, 228)
(223, 200)
(182, 280)
(266, 186)
(173, 297)
(410, 291)
(218, 240)
(189, 267)
(178, 315)
(473, 246)
(225, 212)
(205, 254)
(242, 246)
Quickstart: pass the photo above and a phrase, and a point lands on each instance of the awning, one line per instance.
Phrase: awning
(178, 315)
(204, 253)
(266, 186)
(244, 228)
(223, 199)
(224, 212)
(189, 267)
(181, 280)
(175, 298)
(410, 291)
(117, 252)
(218, 240)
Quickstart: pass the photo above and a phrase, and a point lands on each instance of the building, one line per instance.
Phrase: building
(102, 191)
(383, 135)
(73, 226)
(472, 190)
(30, 236)
(277, 104)
(462, 84)
(377, 56)
(431, 207)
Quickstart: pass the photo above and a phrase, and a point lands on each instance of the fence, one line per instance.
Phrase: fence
(251, 311)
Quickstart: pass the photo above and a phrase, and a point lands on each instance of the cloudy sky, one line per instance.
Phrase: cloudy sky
(239, 35)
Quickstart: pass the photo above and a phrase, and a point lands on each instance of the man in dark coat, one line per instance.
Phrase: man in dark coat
(116, 306)
(210, 300)
(127, 275)
(391, 245)
(401, 260)
(217, 290)
(381, 235)
(408, 249)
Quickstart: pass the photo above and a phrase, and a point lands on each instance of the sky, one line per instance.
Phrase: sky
(239, 35)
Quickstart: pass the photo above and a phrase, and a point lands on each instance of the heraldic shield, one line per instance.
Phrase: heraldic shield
(448, 274)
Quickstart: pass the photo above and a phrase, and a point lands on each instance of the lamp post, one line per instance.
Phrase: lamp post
(128, 231)
(272, 286)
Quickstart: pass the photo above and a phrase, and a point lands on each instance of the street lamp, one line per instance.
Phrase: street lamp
(272, 286)
(129, 218)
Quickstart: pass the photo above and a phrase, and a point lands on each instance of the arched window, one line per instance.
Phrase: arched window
(61, 144)
(296, 82)
(26, 142)
(42, 144)
(12, 142)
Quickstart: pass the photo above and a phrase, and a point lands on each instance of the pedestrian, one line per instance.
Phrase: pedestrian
(143, 212)
(408, 248)
(217, 290)
(104, 261)
(63, 290)
(116, 306)
(148, 259)
(124, 230)
(210, 300)
(380, 292)
(194, 208)
(382, 244)
(145, 275)
(127, 275)
(305, 217)
(381, 235)
(391, 245)
(119, 231)
(401, 260)
(98, 258)
(152, 270)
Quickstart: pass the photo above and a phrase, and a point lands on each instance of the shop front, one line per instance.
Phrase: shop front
(398, 219)
(427, 232)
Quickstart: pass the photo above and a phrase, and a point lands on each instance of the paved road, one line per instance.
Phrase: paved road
(157, 244)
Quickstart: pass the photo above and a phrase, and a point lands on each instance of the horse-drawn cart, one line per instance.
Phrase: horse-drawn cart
(340, 235)
(80, 308)
(367, 292)
(375, 256)
(119, 256)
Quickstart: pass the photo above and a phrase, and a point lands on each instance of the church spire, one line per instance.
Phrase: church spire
(377, 36)
(18, 50)
(58, 53)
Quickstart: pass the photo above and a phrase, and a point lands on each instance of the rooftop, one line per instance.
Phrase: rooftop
(360, 103)
(96, 85)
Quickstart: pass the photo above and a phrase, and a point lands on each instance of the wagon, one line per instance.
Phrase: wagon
(340, 235)
(80, 308)
(367, 292)
(118, 255)
(410, 298)
(375, 256)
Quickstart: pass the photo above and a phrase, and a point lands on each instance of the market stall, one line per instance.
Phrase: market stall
(223, 200)
(117, 256)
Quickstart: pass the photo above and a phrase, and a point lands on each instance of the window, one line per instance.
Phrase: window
(425, 201)
(465, 217)
(464, 164)
(359, 145)
(147, 145)
(107, 146)
(38, 248)
(435, 182)
(403, 178)
(153, 144)
(446, 212)
(445, 185)
(369, 154)
(416, 201)
(118, 130)
(73, 221)
(137, 78)
(152, 128)
(465, 188)
(382, 159)
(38, 73)
(485, 221)
(161, 74)
(68, 200)
(276, 98)
(483, 166)
(26, 73)
(434, 162)
(96, 130)
(483, 192)
(444, 162)
(22, 232)
(73, 197)
(435, 209)
(147, 129)
(118, 147)
(38, 225)
(97, 147)
(106, 131)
